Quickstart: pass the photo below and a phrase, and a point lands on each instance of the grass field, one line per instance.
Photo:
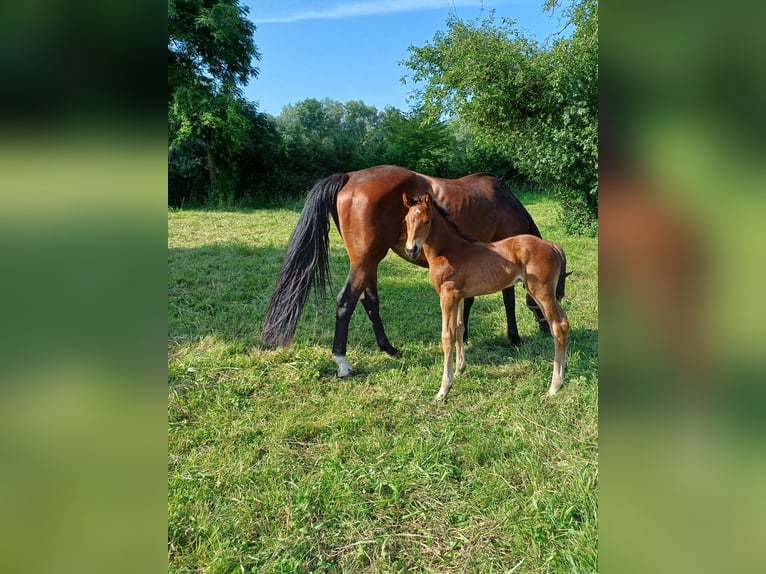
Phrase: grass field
(274, 465)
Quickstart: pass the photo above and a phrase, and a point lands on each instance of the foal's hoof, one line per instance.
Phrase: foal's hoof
(553, 389)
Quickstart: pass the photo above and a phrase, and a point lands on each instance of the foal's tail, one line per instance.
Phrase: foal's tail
(306, 262)
(561, 284)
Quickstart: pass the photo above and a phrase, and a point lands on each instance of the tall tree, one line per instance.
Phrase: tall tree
(325, 136)
(537, 105)
(210, 57)
(411, 141)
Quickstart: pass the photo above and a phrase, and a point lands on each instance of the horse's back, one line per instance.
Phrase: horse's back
(482, 206)
(371, 211)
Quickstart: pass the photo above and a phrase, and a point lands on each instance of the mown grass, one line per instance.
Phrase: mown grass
(274, 465)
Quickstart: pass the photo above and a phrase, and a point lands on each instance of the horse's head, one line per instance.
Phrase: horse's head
(418, 220)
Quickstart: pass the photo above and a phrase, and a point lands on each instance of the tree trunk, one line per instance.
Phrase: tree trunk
(210, 163)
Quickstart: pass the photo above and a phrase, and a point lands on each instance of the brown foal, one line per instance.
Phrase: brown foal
(460, 267)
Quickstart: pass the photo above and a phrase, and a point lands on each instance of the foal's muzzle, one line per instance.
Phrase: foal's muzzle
(412, 252)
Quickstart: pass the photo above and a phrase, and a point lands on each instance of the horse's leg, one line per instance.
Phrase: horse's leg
(459, 346)
(467, 304)
(509, 300)
(449, 305)
(371, 303)
(346, 303)
(539, 316)
(361, 283)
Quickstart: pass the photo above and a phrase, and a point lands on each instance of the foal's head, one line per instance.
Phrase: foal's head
(418, 222)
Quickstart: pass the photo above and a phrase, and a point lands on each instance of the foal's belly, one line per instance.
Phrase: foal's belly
(489, 277)
(475, 288)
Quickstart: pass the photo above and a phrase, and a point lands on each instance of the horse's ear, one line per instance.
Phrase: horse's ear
(408, 201)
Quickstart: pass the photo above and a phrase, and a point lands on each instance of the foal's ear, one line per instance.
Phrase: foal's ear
(427, 199)
(408, 201)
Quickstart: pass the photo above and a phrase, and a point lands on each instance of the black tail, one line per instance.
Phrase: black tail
(306, 262)
(561, 285)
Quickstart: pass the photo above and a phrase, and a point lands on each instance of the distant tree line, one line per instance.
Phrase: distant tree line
(490, 99)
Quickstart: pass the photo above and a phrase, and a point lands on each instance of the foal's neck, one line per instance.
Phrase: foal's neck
(443, 236)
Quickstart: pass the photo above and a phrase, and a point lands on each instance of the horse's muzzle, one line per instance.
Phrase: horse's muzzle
(412, 252)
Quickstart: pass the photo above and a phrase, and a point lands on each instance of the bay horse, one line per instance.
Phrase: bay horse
(366, 206)
(461, 267)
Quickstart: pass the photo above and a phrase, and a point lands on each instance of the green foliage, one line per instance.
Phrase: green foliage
(274, 465)
(411, 141)
(210, 54)
(210, 42)
(493, 101)
(536, 105)
(470, 156)
(245, 146)
(322, 137)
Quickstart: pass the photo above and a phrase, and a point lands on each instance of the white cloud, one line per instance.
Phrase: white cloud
(365, 9)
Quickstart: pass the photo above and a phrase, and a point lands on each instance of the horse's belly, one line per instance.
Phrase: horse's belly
(398, 248)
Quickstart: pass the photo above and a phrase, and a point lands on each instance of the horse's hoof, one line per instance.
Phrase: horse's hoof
(344, 369)
(391, 351)
(515, 341)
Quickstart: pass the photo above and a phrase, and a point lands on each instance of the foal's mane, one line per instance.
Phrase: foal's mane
(448, 219)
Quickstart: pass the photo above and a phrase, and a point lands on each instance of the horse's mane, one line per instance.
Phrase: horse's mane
(448, 219)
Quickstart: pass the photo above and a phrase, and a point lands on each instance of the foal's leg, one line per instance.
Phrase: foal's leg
(560, 331)
(449, 304)
(557, 319)
(537, 312)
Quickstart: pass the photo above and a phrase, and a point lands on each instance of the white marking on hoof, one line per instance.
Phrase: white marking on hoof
(344, 369)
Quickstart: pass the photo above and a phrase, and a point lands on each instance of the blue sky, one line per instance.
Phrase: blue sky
(350, 49)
